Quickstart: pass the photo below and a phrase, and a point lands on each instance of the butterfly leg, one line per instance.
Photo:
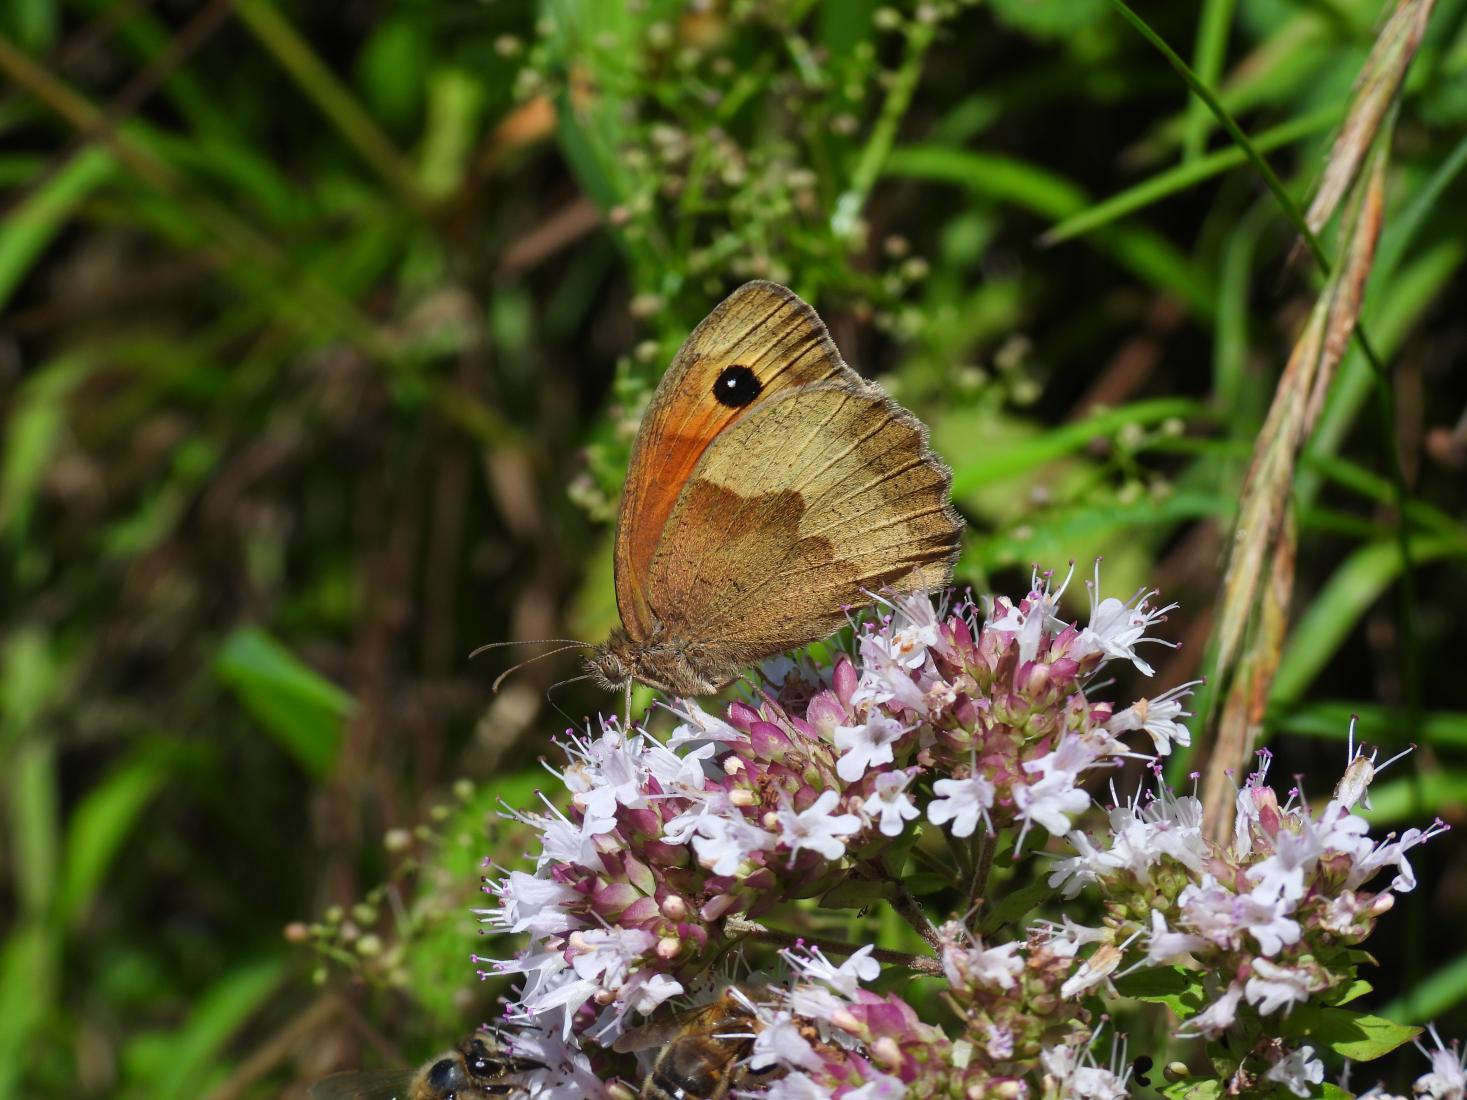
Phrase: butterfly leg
(627, 727)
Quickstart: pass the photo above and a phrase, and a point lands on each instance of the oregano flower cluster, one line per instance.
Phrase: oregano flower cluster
(945, 766)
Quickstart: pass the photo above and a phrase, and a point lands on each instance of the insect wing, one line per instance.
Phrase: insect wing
(381, 1084)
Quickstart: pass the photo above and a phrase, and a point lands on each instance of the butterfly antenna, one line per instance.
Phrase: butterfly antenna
(531, 660)
(530, 641)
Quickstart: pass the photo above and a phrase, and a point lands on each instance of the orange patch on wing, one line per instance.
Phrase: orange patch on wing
(674, 467)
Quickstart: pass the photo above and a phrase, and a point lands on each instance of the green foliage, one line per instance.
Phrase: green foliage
(326, 333)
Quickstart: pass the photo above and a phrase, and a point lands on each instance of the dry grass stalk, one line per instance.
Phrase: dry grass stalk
(1375, 90)
(1263, 538)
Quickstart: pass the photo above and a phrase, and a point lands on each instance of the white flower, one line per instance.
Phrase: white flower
(1158, 717)
(845, 979)
(880, 1087)
(1448, 1077)
(564, 992)
(646, 989)
(816, 827)
(961, 801)
(1053, 798)
(641, 993)
(1394, 852)
(1116, 628)
(1222, 916)
(676, 774)
(1360, 771)
(866, 745)
(992, 966)
(725, 843)
(1094, 970)
(606, 772)
(1075, 1071)
(885, 680)
(1163, 946)
(1096, 1083)
(914, 630)
(562, 1070)
(890, 801)
(1297, 1071)
(1072, 874)
(779, 1043)
(1035, 614)
(698, 726)
(531, 904)
(1216, 1018)
(1000, 1044)
(609, 954)
(1272, 987)
(1067, 938)
(563, 841)
(797, 1086)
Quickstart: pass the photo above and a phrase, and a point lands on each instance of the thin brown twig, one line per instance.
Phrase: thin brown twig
(274, 1050)
(906, 905)
(136, 91)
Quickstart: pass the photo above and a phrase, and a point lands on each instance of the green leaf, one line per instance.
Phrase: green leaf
(1024, 456)
(301, 708)
(994, 177)
(852, 893)
(29, 228)
(1338, 606)
(1187, 175)
(1351, 1035)
(27, 986)
(1178, 989)
(100, 824)
(1194, 1090)
(393, 67)
(1443, 988)
(1356, 989)
(1012, 908)
(1048, 18)
(34, 429)
(178, 1064)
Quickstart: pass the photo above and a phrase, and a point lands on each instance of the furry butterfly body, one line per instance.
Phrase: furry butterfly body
(771, 488)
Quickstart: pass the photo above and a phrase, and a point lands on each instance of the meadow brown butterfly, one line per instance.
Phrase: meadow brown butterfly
(770, 489)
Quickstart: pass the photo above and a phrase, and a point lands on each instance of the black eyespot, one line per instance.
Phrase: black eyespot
(736, 386)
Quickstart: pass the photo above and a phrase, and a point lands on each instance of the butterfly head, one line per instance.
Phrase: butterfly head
(610, 662)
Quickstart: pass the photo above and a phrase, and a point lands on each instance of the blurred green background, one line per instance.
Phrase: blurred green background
(324, 330)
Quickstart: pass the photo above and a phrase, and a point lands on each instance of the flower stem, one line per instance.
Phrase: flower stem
(753, 930)
(903, 902)
(982, 860)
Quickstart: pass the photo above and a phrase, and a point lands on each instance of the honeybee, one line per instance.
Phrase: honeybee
(702, 1049)
(478, 1068)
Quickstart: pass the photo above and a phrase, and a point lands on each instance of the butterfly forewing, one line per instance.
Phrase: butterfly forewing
(760, 341)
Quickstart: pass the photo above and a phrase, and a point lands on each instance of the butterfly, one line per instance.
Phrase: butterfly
(771, 489)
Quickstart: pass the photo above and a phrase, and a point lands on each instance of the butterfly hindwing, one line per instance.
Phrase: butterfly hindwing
(799, 510)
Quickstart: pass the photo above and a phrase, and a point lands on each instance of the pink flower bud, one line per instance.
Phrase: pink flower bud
(886, 1053)
(717, 906)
